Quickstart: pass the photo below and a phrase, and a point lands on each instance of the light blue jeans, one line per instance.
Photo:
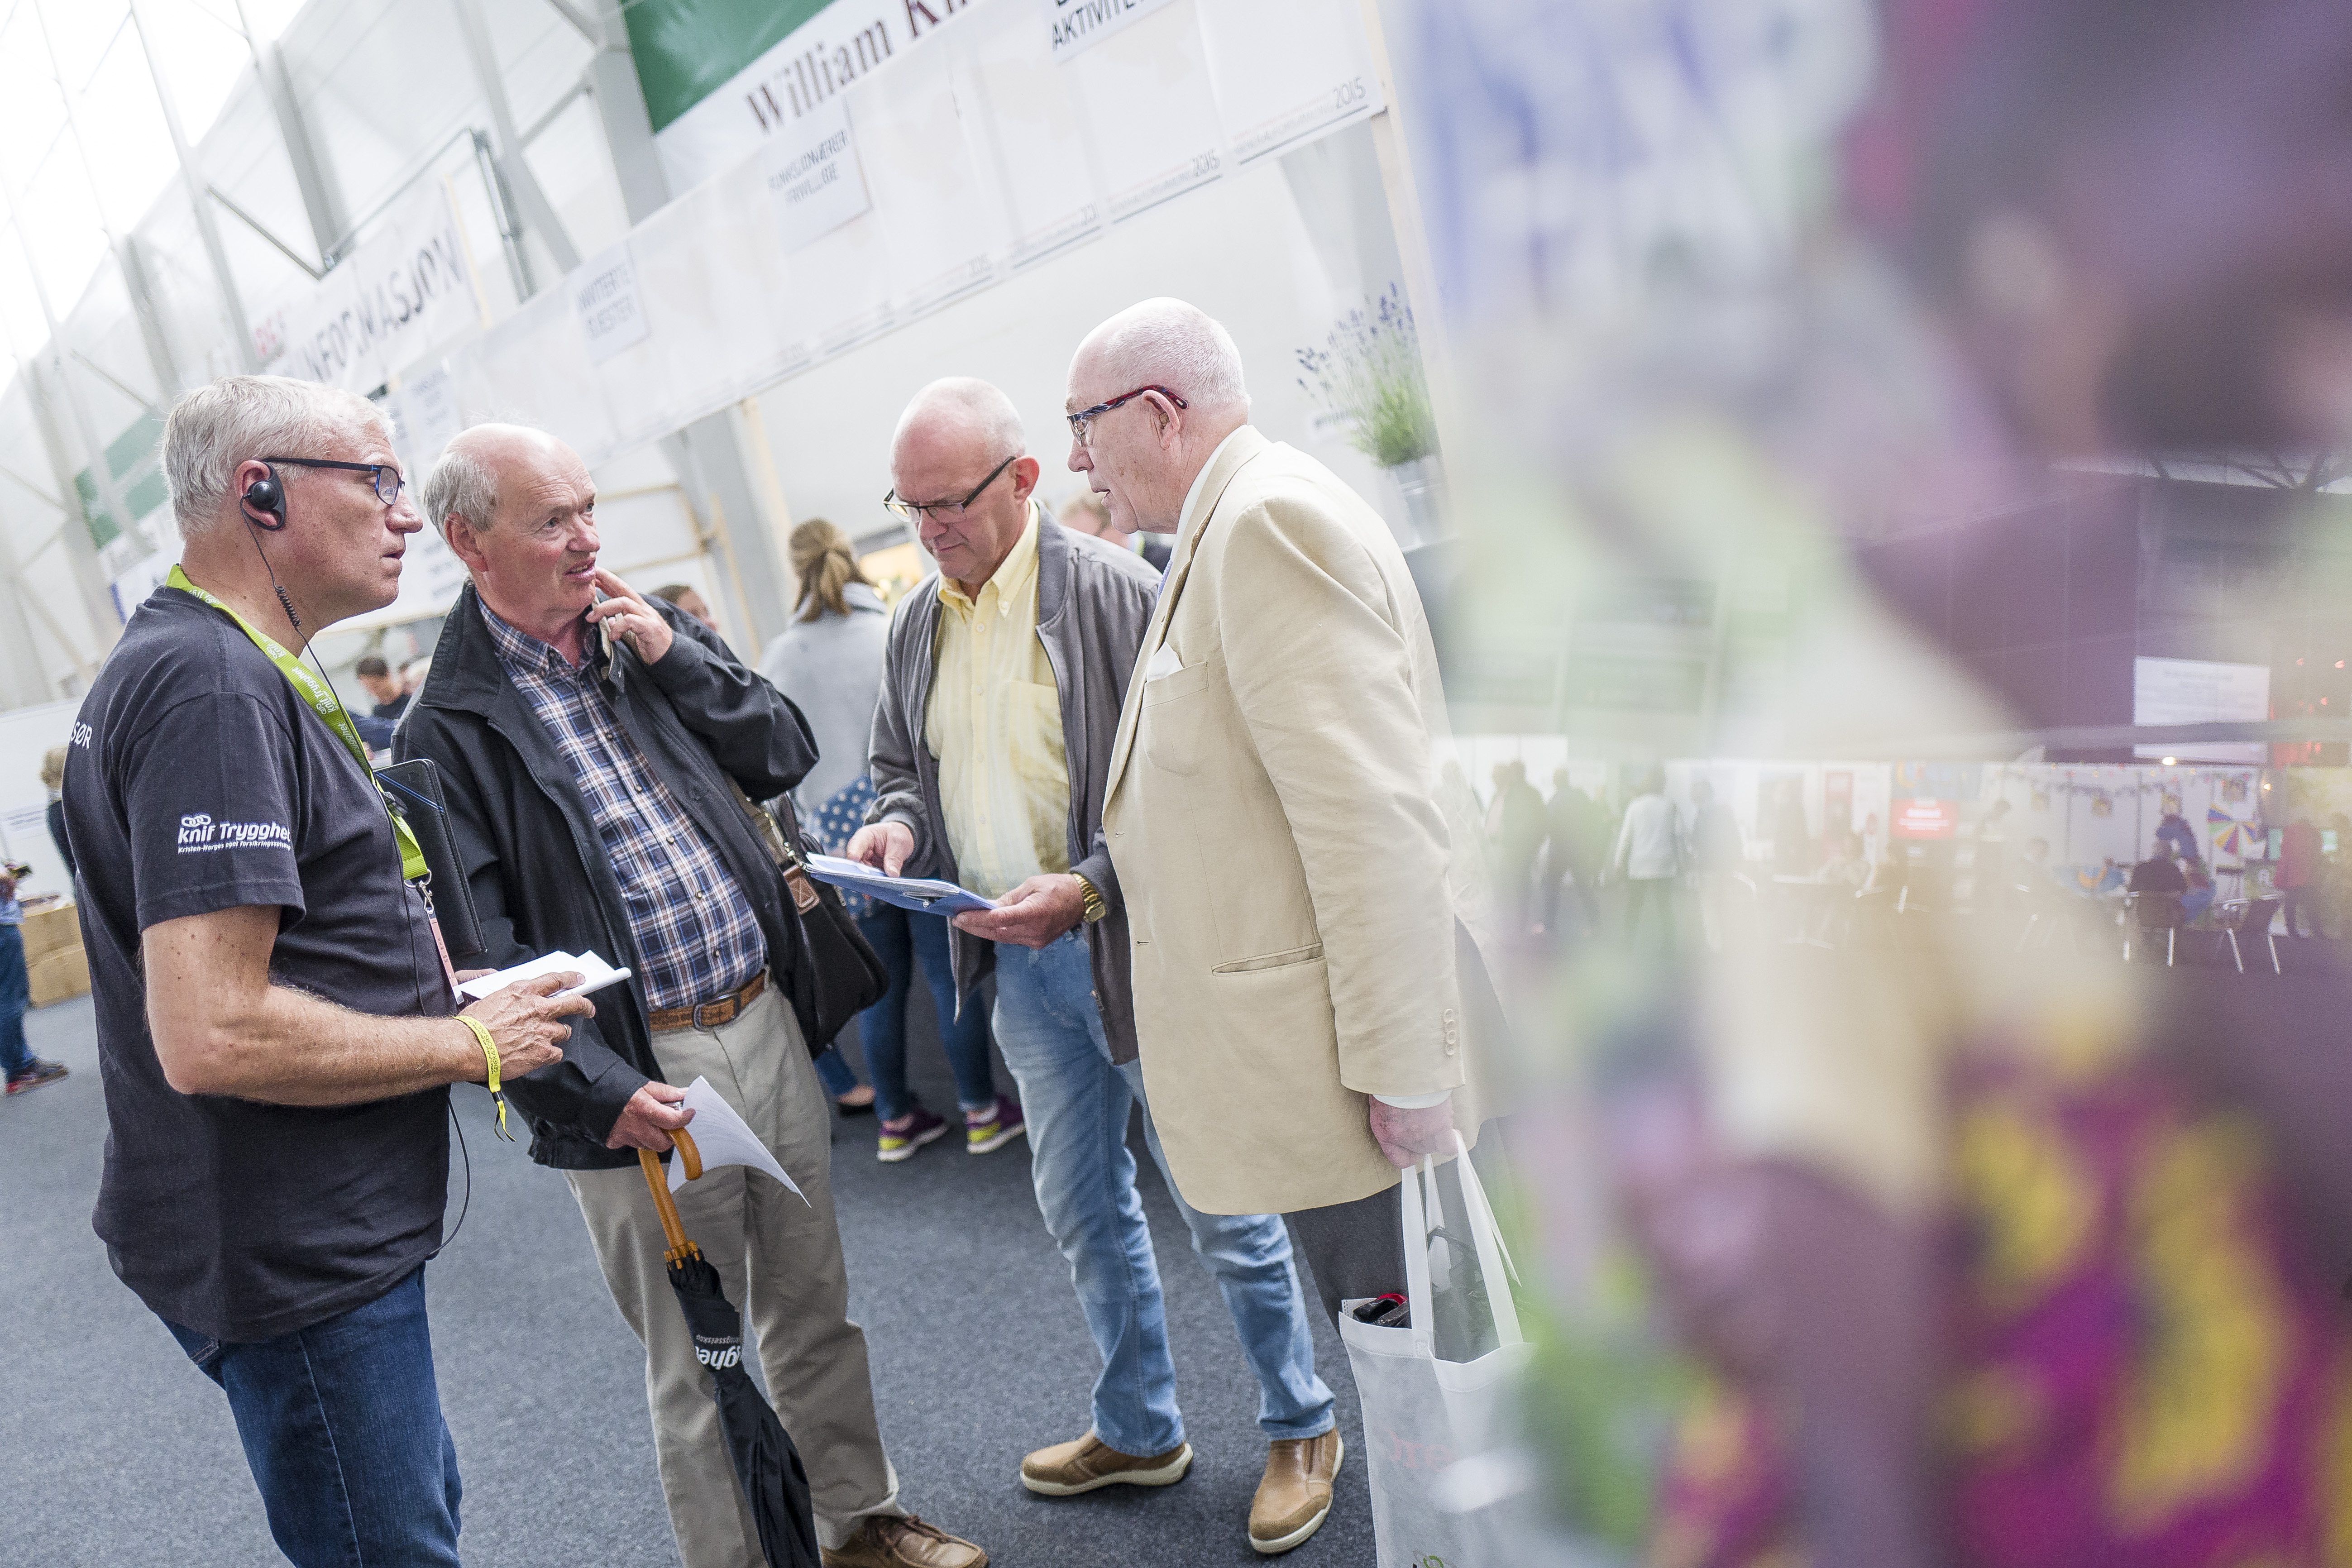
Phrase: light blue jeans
(1051, 1033)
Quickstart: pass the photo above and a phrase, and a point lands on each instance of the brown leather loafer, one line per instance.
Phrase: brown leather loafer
(902, 1541)
(1294, 1496)
(1065, 1470)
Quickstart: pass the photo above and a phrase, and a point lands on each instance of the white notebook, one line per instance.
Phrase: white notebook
(599, 974)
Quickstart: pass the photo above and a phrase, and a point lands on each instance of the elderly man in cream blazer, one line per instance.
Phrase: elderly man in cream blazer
(1294, 898)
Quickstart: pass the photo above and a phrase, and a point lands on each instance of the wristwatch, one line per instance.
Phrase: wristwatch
(1091, 903)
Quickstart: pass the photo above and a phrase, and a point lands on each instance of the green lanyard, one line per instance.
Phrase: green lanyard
(320, 700)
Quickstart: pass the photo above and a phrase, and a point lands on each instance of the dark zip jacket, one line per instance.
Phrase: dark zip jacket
(536, 865)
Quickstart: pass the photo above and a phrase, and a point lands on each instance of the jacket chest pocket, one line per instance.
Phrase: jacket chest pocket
(1178, 724)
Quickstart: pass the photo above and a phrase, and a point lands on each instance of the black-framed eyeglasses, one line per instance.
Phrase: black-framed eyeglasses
(913, 510)
(388, 480)
(1086, 416)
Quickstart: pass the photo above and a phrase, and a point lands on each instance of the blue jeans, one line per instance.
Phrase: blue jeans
(16, 995)
(1076, 1103)
(342, 1430)
(906, 942)
(834, 1071)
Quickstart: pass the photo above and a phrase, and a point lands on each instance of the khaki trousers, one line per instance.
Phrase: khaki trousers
(781, 1261)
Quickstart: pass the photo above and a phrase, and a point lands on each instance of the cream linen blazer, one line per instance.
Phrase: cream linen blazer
(1285, 870)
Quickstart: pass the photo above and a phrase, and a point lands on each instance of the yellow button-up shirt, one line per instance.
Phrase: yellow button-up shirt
(995, 724)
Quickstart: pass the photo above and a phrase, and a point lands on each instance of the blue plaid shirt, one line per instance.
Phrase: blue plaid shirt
(698, 936)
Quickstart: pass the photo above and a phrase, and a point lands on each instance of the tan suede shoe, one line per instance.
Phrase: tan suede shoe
(1065, 1470)
(894, 1541)
(1294, 1496)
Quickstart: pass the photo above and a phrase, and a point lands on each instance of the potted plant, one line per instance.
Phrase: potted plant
(1369, 374)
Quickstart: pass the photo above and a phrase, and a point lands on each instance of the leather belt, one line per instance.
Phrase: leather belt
(710, 1014)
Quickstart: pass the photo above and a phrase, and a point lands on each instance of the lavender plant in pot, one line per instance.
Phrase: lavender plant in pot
(1369, 374)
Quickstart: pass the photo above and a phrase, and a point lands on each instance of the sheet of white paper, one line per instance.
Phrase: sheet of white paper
(722, 1139)
(597, 972)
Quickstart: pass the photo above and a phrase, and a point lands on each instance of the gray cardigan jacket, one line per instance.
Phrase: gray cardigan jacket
(1094, 604)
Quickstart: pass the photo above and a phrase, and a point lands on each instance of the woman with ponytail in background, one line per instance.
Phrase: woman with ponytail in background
(829, 662)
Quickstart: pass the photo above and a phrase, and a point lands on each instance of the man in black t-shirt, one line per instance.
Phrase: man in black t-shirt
(273, 1010)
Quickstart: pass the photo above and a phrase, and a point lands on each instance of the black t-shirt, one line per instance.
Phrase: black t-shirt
(198, 781)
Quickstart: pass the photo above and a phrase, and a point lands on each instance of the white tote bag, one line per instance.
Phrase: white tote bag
(1422, 1415)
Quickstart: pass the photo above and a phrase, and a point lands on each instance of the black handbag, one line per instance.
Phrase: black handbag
(836, 974)
(415, 786)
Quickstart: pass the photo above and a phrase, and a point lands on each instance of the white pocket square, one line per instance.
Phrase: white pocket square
(1163, 663)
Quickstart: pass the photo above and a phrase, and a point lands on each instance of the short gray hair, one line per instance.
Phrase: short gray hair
(242, 418)
(464, 484)
(1167, 342)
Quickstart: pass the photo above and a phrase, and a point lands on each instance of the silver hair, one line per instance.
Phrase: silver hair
(1167, 342)
(240, 419)
(464, 484)
(979, 404)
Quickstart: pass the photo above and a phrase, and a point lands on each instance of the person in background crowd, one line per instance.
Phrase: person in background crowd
(1515, 834)
(830, 661)
(1716, 847)
(24, 1070)
(391, 695)
(1992, 878)
(2199, 896)
(1573, 850)
(1717, 854)
(686, 597)
(999, 708)
(53, 779)
(412, 677)
(561, 720)
(1649, 856)
(1308, 999)
(2297, 874)
(1086, 513)
(273, 1013)
(1874, 838)
(1794, 851)
(2174, 835)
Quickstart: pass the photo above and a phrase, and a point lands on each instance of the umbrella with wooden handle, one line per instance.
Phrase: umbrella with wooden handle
(766, 1463)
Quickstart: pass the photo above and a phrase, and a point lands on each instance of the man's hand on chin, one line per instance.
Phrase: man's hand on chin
(1032, 914)
(1404, 1136)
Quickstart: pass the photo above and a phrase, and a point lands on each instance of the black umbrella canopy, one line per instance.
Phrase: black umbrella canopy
(767, 1465)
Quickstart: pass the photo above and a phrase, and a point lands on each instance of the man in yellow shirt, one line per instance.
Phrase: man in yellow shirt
(991, 742)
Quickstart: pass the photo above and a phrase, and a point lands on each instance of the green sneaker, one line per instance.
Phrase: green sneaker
(900, 1143)
(986, 1132)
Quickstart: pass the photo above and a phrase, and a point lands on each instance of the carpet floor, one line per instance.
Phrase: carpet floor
(115, 1451)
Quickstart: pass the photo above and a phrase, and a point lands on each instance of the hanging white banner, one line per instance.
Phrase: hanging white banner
(1076, 23)
(800, 74)
(605, 292)
(392, 300)
(813, 176)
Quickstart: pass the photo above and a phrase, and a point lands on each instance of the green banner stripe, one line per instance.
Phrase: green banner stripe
(686, 49)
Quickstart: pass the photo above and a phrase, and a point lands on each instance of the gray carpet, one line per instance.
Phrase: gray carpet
(115, 1451)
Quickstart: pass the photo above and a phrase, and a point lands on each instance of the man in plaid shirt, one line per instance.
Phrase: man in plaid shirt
(593, 744)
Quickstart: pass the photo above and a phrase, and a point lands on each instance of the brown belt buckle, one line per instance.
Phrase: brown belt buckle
(694, 1014)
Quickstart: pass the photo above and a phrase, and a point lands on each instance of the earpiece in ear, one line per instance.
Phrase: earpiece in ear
(267, 497)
